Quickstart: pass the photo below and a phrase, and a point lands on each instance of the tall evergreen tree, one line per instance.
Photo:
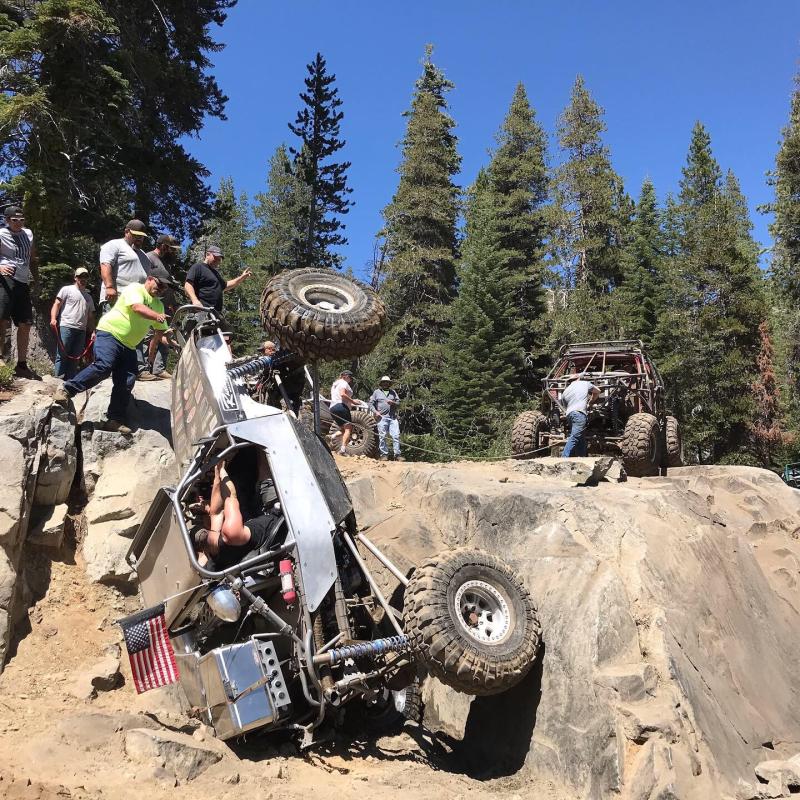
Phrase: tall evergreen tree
(482, 352)
(637, 301)
(96, 97)
(716, 293)
(278, 216)
(589, 217)
(318, 128)
(421, 245)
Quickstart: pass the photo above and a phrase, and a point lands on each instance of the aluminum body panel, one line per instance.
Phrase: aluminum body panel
(158, 554)
(307, 514)
(228, 671)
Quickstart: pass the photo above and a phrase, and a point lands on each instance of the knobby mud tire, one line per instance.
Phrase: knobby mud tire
(321, 315)
(674, 443)
(526, 434)
(364, 436)
(451, 654)
(641, 445)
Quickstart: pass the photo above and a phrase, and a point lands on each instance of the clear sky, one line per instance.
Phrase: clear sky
(655, 67)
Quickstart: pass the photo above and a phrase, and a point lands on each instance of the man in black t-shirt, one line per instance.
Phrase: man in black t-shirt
(205, 286)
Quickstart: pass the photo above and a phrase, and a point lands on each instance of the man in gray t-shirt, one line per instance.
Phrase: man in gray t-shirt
(384, 402)
(577, 398)
(123, 262)
(72, 320)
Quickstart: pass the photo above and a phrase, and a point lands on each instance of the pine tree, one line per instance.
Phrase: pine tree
(318, 128)
(421, 246)
(482, 353)
(96, 97)
(278, 215)
(638, 300)
(708, 332)
(517, 229)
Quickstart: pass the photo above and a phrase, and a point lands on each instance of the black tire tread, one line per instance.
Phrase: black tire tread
(449, 657)
(319, 335)
(365, 425)
(674, 448)
(525, 434)
(637, 454)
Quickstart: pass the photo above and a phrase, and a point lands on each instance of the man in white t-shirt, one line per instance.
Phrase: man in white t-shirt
(342, 401)
(577, 397)
(123, 262)
(72, 320)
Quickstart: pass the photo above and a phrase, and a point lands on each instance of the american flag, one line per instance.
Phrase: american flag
(149, 649)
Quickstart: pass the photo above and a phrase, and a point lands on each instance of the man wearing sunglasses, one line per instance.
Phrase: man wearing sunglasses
(119, 333)
(16, 253)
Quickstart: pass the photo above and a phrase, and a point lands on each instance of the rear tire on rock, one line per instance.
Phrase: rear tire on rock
(526, 434)
(472, 621)
(640, 445)
(364, 436)
(674, 443)
(321, 315)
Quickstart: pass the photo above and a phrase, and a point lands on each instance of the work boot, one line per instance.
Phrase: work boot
(61, 396)
(384, 457)
(343, 452)
(114, 426)
(164, 376)
(399, 458)
(144, 375)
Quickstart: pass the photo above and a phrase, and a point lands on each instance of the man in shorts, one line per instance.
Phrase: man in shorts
(72, 321)
(16, 253)
(342, 401)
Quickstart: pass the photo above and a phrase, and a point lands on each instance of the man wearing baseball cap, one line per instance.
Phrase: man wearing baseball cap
(72, 321)
(119, 333)
(164, 255)
(384, 402)
(16, 253)
(123, 262)
(205, 286)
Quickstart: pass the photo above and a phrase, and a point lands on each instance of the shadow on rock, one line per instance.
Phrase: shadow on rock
(147, 417)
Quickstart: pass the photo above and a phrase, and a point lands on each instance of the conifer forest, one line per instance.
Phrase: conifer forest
(484, 279)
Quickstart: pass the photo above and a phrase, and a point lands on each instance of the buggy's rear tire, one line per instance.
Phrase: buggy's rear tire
(526, 434)
(321, 315)
(364, 436)
(674, 443)
(641, 445)
(472, 621)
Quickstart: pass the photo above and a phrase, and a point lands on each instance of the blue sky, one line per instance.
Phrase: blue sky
(654, 67)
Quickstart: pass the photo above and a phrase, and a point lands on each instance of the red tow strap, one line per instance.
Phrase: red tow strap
(61, 344)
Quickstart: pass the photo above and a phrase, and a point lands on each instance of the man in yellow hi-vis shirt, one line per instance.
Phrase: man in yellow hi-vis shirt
(119, 332)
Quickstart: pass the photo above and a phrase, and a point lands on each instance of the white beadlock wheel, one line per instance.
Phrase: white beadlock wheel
(483, 612)
(327, 298)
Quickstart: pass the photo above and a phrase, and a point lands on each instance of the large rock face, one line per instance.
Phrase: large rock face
(669, 610)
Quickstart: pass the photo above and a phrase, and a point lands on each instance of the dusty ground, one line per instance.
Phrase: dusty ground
(54, 744)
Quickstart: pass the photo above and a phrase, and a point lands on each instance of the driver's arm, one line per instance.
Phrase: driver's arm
(594, 393)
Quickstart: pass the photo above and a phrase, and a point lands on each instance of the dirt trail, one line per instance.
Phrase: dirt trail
(55, 743)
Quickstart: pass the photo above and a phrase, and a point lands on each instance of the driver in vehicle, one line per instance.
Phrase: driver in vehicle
(230, 525)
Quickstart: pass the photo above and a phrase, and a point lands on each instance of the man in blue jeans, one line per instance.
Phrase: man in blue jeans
(577, 397)
(119, 332)
(72, 321)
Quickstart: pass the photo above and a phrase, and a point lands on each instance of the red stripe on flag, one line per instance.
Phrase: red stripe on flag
(155, 651)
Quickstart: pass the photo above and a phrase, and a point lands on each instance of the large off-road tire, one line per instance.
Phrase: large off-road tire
(674, 443)
(364, 436)
(321, 315)
(641, 445)
(472, 621)
(387, 713)
(526, 434)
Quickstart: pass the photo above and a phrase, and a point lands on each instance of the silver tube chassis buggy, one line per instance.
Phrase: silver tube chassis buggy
(254, 656)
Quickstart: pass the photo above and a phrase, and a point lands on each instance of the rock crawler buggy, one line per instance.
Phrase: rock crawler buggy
(299, 629)
(629, 419)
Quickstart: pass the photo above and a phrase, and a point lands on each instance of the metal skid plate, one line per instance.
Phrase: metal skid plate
(304, 506)
(249, 671)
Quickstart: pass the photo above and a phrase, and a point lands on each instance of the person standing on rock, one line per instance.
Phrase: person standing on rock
(119, 333)
(342, 401)
(72, 321)
(163, 255)
(384, 402)
(205, 286)
(16, 254)
(577, 397)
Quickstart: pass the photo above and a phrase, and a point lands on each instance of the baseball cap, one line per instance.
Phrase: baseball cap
(346, 372)
(162, 276)
(165, 240)
(14, 211)
(385, 379)
(136, 227)
(81, 271)
(214, 251)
